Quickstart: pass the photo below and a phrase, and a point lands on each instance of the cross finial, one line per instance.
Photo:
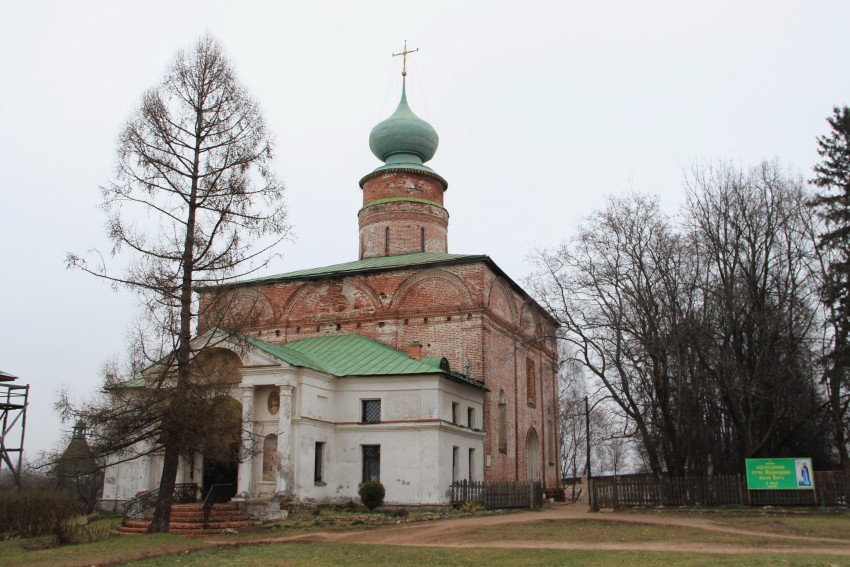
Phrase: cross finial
(404, 53)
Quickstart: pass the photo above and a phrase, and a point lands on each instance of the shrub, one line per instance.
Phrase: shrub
(471, 507)
(30, 512)
(371, 494)
(400, 513)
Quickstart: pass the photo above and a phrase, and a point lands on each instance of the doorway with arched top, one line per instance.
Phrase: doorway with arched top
(532, 455)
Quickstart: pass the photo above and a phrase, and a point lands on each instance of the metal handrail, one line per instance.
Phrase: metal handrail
(218, 493)
(137, 507)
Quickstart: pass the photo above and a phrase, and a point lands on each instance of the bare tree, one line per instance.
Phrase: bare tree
(196, 204)
(701, 328)
(620, 291)
(757, 344)
(573, 439)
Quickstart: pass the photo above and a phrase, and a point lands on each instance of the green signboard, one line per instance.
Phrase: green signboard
(780, 474)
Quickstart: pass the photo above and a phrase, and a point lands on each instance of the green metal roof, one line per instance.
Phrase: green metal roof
(404, 136)
(345, 355)
(378, 264)
(353, 355)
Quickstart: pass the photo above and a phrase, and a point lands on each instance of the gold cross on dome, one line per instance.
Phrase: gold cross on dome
(404, 53)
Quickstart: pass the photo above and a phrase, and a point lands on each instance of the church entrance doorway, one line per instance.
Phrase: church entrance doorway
(222, 472)
(217, 437)
(222, 453)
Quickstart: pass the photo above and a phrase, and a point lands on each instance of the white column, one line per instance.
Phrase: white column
(284, 442)
(198, 471)
(246, 465)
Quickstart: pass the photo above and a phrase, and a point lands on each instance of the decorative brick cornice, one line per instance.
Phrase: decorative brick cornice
(403, 200)
(381, 172)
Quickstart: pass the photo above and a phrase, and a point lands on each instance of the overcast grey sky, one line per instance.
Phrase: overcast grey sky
(543, 110)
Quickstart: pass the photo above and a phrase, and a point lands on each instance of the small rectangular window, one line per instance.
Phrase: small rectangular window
(472, 464)
(371, 463)
(455, 410)
(371, 411)
(319, 468)
(470, 418)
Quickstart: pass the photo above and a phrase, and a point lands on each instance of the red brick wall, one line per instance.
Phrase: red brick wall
(405, 219)
(397, 184)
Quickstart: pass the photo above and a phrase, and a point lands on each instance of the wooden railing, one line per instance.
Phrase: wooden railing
(494, 495)
(137, 507)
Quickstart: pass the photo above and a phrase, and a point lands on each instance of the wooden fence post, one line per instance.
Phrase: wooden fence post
(615, 492)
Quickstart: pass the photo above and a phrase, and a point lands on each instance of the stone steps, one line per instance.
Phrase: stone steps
(188, 520)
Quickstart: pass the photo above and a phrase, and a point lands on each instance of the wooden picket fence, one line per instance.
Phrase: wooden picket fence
(831, 489)
(494, 495)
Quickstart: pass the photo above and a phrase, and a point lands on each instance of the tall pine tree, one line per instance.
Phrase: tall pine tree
(832, 203)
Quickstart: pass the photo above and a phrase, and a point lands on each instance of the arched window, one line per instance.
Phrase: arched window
(387, 241)
(422, 239)
(503, 422)
(269, 457)
(532, 455)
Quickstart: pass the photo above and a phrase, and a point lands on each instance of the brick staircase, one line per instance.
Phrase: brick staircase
(188, 520)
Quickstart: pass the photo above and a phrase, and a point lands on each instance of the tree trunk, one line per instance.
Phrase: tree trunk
(162, 512)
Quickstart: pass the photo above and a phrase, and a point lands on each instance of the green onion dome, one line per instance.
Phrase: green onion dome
(403, 137)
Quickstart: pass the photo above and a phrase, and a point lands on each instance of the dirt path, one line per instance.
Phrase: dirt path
(449, 533)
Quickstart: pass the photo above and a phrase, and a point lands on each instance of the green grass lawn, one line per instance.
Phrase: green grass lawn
(800, 522)
(33, 552)
(610, 531)
(296, 555)
(239, 550)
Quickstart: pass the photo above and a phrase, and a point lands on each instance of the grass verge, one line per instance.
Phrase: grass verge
(806, 522)
(297, 555)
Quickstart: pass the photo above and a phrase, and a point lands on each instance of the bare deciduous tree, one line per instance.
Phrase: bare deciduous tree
(702, 327)
(616, 289)
(756, 346)
(195, 203)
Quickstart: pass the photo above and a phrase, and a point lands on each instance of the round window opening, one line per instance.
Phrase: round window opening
(274, 402)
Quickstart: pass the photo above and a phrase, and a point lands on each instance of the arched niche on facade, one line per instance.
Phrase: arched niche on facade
(341, 297)
(237, 310)
(529, 325)
(500, 301)
(269, 457)
(503, 422)
(532, 455)
(433, 288)
(218, 368)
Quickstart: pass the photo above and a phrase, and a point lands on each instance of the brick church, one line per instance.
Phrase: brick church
(410, 365)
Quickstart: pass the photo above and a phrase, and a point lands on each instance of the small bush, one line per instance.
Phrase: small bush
(471, 507)
(371, 494)
(400, 513)
(81, 530)
(29, 513)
